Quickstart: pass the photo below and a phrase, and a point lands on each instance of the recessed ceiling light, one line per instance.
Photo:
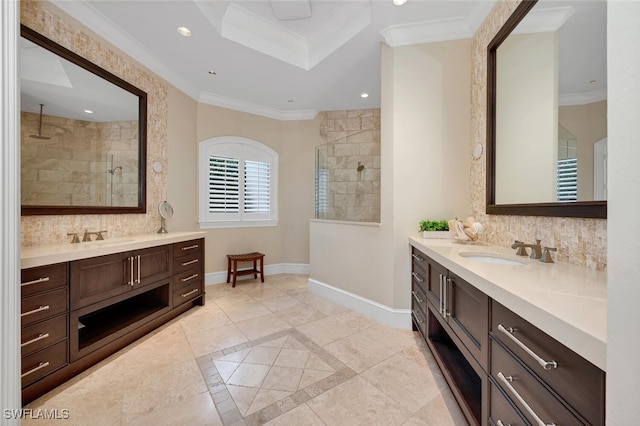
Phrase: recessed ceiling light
(399, 2)
(364, 95)
(184, 31)
(88, 111)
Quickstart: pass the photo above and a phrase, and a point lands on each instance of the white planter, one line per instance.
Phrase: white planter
(436, 234)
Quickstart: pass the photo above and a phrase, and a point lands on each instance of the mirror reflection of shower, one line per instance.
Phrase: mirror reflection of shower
(112, 174)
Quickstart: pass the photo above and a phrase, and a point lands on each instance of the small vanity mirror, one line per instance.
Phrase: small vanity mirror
(546, 115)
(166, 212)
(83, 134)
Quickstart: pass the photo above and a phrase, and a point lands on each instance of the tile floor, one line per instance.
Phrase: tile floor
(263, 353)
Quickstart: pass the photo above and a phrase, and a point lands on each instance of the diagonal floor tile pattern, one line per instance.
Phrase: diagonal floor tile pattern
(263, 353)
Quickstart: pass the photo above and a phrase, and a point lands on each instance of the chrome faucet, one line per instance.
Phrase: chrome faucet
(536, 249)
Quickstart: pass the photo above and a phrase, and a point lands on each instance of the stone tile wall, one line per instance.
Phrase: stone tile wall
(579, 241)
(72, 167)
(349, 162)
(46, 19)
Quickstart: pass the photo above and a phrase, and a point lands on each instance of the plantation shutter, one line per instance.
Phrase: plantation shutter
(224, 185)
(257, 187)
(567, 179)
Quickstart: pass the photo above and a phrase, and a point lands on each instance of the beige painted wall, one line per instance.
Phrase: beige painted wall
(579, 241)
(295, 143)
(425, 162)
(589, 124)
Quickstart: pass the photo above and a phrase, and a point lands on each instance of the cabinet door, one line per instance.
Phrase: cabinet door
(153, 264)
(435, 283)
(467, 312)
(99, 278)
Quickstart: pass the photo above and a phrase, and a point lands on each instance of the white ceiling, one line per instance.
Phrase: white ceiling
(285, 69)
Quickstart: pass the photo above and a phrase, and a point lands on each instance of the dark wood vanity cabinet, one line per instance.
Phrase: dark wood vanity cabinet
(77, 313)
(501, 369)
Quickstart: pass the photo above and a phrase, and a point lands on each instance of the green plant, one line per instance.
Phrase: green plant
(434, 225)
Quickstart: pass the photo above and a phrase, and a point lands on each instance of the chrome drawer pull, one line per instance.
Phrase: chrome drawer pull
(415, 295)
(138, 281)
(191, 262)
(417, 277)
(416, 257)
(440, 295)
(39, 309)
(39, 280)
(195, 246)
(195, 290)
(33, 370)
(417, 316)
(189, 278)
(131, 271)
(505, 381)
(547, 365)
(499, 423)
(40, 337)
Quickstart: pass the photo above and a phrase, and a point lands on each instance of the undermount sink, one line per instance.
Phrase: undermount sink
(493, 258)
(111, 241)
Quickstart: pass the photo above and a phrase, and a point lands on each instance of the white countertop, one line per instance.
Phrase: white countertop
(56, 253)
(567, 302)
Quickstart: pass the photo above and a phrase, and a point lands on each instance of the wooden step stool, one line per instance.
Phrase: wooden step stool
(247, 257)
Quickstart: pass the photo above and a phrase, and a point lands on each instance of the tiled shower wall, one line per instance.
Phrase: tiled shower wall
(44, 18)
(348, 166)
(579, 241)
(76, 166)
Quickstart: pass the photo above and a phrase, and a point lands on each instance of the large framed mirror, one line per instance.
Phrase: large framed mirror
(546, 111)
(83, 134)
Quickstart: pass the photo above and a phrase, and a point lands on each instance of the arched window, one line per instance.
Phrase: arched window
(238, 183)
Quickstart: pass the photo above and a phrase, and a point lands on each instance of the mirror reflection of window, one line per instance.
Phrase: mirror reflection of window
(567, 165)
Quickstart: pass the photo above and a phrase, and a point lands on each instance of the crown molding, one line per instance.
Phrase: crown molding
(544, 20)
(251, 108)
(582, 98)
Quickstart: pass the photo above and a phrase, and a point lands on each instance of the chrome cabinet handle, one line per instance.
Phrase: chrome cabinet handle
(190, 277)
(506, 381)
(547, 365)
(416, 257)
(138, 269)
(41, 336)
(415, 296)
(131, 271)
(191, 262)
(33, 370)
(440, 295)
(499, 423)
(39, 280)
(417, 277)
(195, 290)
(445, 282)
(39, 309)
(195, 246)
(417, 316)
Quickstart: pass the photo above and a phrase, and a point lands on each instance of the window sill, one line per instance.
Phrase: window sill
(239, 224)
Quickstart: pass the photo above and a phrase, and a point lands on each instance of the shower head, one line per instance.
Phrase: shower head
(40, 135)
(113, 171)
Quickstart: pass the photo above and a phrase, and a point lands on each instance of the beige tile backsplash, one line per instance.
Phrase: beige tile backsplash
(47, 20)
(579, 241)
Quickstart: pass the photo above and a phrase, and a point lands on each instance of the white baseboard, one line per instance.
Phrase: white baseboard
(220, 277)
(396, 318)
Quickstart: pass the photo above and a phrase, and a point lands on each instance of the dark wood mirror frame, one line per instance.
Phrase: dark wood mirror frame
(590, 209)
(65, 53)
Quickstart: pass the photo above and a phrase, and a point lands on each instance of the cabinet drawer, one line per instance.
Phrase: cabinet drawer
(419, 278)
(42, 334)
(41, 363)
(187, 247)
(580, 383)
(501, 410)
(187, 293)
(419, 319)
(419, 258)
(43, 305)
(542, 402)
(184, 263)
(43, 278)
(189, 278)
